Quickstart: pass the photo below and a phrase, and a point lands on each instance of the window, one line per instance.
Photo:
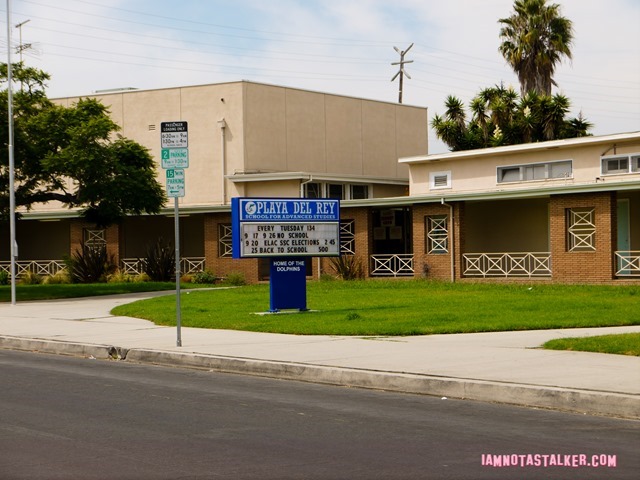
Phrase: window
(313, 190)
(225, 245)
(535, 171)
(438, 180)
(581, 229)
(340, 191)
(359, 192)
(437, 234)
(335, 190)
(615, 165)
(347, 237)
(621, 164)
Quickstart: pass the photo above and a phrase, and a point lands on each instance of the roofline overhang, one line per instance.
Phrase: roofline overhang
(403, 201)
(523, 148)
(307, 176)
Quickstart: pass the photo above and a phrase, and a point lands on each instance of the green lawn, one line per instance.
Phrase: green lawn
(414, 307)
(52, 291)
(623, 344)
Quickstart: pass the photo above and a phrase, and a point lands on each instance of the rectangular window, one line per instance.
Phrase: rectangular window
(437, 234)
(560, 169)
(581, 229)
(225, 246)
(535, 171)
(439, 180)
(615, 165)
(621, 164)
(313, 190)
(335, 190)
(359, 192)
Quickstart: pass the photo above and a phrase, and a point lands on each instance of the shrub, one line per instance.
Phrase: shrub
(119, 277)
(348, 267)
(59, 278)
(206, 276)
(30, 278)
(4, 277)
(90, 265)
(235, 279)
(160, 263)
(141, 278)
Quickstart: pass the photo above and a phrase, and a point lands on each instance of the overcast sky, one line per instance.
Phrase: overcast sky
(335, 46)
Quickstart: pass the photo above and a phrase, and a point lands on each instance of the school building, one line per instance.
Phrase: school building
(559, 211)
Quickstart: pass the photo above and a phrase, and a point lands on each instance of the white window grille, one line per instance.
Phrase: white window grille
(94, 238)
(225, 243)
(581, 229)
(437, 234)
(347, 237)
(439, 180)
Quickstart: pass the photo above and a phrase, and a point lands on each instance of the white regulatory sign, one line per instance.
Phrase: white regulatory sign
(175, 182)
(175, 158)
(290, 239)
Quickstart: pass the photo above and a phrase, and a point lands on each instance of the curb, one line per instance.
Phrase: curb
(571, 400)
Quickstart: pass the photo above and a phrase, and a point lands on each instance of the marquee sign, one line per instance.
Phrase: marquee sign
(282, 227)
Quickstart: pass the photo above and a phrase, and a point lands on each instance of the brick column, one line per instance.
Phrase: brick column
(583, 266)
(435, 266)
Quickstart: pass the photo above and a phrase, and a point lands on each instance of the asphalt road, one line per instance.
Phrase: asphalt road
(73, 418)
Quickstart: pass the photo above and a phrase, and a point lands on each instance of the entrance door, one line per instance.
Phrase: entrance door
(624, 240)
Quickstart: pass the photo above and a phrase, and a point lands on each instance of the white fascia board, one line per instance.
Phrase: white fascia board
(522, 148)
(310, 176)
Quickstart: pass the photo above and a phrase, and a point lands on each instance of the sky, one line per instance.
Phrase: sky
(343, 47)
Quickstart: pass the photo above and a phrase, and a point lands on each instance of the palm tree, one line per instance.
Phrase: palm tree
(534, 40)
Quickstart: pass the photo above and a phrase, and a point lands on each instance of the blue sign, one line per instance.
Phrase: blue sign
(278, 227)
(287, 284)
(288, 210)
(281, 229)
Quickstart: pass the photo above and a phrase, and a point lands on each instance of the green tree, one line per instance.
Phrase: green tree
(535, 38)
(499, 116)
(73, 155)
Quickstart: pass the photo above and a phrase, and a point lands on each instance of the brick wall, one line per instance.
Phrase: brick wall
(362, 221)
(434, 266)
(583, 266)
(76, 238)
(226, 265)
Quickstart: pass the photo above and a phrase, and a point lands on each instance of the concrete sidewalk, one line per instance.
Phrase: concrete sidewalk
(505, 367)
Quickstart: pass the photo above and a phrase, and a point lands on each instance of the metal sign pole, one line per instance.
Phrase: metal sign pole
(12, 198)
(178, 309)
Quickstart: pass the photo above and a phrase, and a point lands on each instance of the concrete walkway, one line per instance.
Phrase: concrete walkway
(506, 367)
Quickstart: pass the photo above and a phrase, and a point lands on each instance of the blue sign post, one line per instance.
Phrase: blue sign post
(287, 231)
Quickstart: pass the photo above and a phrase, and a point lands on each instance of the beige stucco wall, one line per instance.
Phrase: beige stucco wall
(297, 130)
(270, 129)
(478, 174)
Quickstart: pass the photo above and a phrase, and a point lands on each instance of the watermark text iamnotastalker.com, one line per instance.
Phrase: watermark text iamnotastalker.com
(576, 460)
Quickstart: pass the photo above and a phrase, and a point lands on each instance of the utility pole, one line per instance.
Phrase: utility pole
(401, 71)
(22, 47)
